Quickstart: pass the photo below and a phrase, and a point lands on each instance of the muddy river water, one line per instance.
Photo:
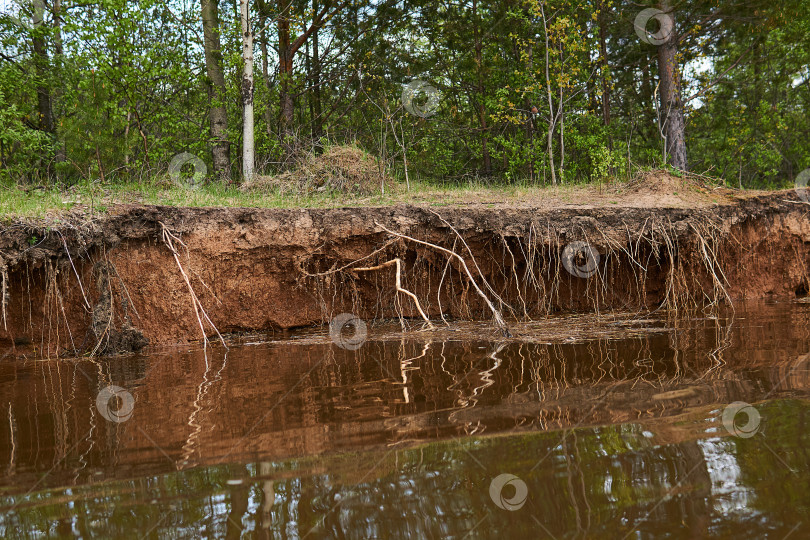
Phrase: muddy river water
(676, 428)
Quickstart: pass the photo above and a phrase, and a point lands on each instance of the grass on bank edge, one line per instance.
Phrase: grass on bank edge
(96, 198)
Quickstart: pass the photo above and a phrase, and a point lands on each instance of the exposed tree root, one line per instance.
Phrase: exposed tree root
(169, 239)
(475, 262)
(398, 284)
(496, 314)
(4, 296)
(78, 279)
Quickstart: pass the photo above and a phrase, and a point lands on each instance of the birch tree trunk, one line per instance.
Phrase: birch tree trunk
(248, 147)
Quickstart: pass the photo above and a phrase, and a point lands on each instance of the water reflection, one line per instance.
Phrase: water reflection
(612, 437)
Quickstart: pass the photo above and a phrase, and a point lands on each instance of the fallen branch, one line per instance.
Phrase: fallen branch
(496, 314)
(398, 284)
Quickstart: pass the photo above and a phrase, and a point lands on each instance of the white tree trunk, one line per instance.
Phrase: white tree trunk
(552, 118)
(248, 146)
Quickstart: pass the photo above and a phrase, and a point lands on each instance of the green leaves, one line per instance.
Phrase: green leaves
(129, 89)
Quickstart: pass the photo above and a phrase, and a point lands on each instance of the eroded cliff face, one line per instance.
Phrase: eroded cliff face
(115, 283)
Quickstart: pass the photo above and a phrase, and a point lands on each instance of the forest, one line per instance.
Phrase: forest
(515, 91)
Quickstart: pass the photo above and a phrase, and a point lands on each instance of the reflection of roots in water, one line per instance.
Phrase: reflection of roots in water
(567, 381)
(193, 439)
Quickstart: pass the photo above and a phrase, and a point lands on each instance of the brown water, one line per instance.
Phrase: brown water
(611, 437)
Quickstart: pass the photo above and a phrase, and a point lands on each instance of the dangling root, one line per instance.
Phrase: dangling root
(398, 284)
(496, 314)
(475, 262)
(76, 273)
(4, 296)
(169, 239)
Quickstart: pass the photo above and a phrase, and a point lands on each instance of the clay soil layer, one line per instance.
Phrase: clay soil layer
(118, 282)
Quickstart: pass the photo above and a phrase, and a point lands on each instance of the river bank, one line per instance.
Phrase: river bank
(141, 274)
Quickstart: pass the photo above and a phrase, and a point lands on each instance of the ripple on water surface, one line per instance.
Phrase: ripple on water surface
(681, 428)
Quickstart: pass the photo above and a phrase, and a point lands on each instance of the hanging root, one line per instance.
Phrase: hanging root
(76, 273)
(169, 239)
(496, 314)
(398, 284)
(4, 296)
(713, 266)
(475, 263)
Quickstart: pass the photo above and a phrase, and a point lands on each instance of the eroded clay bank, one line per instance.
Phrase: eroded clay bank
(151, 275)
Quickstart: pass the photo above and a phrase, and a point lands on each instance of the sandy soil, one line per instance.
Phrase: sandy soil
(113, 283)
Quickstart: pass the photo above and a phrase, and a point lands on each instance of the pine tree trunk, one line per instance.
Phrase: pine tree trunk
(551, 116)
(265, 14)
(317, 121)
(58, 51)
(671, 103)
(482, 117)
(218, 114)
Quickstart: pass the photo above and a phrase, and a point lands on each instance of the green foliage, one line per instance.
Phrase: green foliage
(129, 90)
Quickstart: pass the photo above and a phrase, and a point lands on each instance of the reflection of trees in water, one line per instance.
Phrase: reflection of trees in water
(399, 393)
(595, 481)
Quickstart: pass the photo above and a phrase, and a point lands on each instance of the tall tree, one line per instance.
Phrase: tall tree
(285, 66)
(42, 64)
(218, 114)
(287, 48)
(603, 8)
(670, 95)
(317, 119)
(479, 68)
(248, 145)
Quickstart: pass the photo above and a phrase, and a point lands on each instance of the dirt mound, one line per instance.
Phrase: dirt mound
(345, 169)
(662, 187)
